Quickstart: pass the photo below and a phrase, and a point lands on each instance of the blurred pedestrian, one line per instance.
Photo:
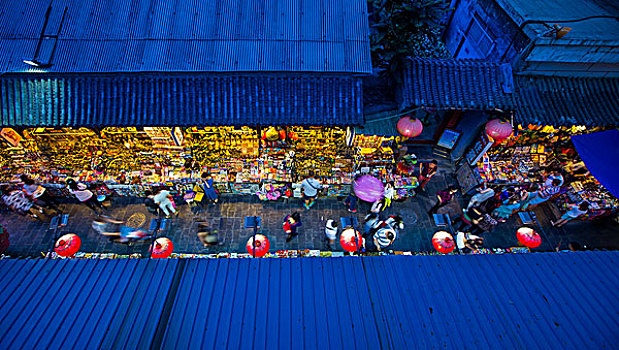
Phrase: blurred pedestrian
(209, 189)
(468, 243)
(310, 187)
(389, 193)
(37, 192)
(331, 232)
(444, 197)
(574, 211)
(426, 171)
(483, 194)
(351, 202)
(84, 195)
(545, 194)
(378, 206)
(291, 223)
(163, 199)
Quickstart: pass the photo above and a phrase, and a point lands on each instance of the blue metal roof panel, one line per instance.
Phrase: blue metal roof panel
(554, 300)
(216, 36)
(180, 100)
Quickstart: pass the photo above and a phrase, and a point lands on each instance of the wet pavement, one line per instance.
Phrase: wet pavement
(31, 238)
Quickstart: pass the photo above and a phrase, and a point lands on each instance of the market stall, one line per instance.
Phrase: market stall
(242, 160)
(528, 156)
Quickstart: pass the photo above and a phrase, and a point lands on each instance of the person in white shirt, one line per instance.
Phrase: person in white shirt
(310, 190)
(162, 198)
(389, 193)
(331, 232)
(84, 195)
(467, 242)
(575, 210)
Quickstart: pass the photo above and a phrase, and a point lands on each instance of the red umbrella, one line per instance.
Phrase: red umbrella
(68, 244)
(351, 240)
(528, 237)
(162, 248)
(443, 242)
(262, 246)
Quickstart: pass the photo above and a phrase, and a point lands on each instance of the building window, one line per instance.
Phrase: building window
(480, 36)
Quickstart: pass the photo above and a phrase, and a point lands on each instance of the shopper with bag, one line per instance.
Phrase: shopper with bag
(84, 195)
(291, 223)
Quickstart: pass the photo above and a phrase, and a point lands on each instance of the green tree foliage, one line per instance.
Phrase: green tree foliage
(402, 28)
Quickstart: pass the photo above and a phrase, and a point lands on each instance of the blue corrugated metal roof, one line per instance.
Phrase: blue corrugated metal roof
(200, 99)
(546, 300)
(216, 35)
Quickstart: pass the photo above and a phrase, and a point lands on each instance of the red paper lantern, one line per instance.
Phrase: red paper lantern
(351, 240)
(499, 129)
(528, 237)
(262, 245)
(162, 248)
(443, 242)
(410, 127)
(67, 245)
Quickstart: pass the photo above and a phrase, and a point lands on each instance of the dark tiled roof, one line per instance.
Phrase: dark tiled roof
(508, 301)
(212, 35)
(180, 100)
(460, 84)
(567, 101)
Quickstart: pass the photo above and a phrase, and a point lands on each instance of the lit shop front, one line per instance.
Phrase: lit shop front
(528, 156)
(242, 160)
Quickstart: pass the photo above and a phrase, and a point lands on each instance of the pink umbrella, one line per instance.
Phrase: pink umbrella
(162, 248)
(351, 240)
(262, 246)
(528, 237)
(68, 244)
(443, 242)
(369, 188)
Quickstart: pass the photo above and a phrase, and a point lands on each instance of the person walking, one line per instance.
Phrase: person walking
(310, 188)
(331, 232)
(291, 223)
(426, 171)
(84, 195)
(545, 194)
(208, 188)
(389, 193)
(384, 237)
(351, 202)
(37, 192)
(574, 211)
(379, 206)
(444, 197)
(163, 199)
(483, 194)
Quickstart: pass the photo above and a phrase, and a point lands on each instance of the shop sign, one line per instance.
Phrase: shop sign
(478, 149)
(11, 136)
(448, 139)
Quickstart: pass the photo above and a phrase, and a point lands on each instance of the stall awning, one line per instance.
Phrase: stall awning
(561, 101)
(180, 100)
(458, 84)
(600, 152)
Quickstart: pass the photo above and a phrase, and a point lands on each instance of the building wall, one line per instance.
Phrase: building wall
(476, 23)
(480, 29)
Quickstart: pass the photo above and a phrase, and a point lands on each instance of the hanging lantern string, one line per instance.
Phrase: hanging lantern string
(397, 115)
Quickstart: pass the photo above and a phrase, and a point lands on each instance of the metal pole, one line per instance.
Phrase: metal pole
(255, 232)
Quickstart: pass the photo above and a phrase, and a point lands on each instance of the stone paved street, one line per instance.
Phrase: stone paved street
(30, 238)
